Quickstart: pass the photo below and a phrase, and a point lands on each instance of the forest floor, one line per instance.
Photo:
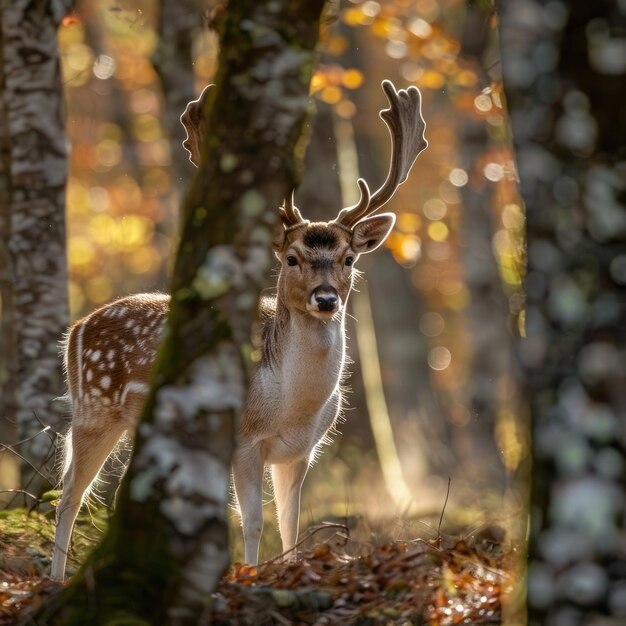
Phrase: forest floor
(442, 581)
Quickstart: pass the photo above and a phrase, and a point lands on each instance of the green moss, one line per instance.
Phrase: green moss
(27, 538)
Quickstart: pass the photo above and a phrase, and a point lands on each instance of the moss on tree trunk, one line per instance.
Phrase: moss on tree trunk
(167, 545)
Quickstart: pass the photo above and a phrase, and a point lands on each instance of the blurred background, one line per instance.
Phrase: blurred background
(434, 394)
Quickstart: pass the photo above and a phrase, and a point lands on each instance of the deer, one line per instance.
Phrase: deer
(295, 395)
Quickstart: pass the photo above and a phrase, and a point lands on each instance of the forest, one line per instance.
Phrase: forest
(461, 421)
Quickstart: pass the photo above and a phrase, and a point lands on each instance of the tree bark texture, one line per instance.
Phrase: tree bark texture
(33, 269)
(168, 541)
(565, 79)
(179, 20)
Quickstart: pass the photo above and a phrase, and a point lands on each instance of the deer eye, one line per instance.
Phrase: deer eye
(291, 260)
(349, 260)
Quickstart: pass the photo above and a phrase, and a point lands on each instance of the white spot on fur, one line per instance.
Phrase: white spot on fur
(89, 375)
(105, 382)
(134, 386)
(95, 356)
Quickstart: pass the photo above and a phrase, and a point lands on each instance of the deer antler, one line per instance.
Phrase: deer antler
(290, 214)
(194, 121)
(406, 126)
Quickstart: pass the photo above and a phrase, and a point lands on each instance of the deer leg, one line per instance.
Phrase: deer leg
(90, 448)
(248, 479)
(288, 479)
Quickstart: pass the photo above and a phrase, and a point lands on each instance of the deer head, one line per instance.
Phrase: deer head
(317, 258)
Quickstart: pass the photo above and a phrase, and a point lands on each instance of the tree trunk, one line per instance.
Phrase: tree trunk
(33, 269)
(167, 545)
(490, 344)
(564, 71)
(178, 22)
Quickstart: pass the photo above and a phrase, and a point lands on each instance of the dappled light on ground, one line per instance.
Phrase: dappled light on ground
(423, 582)
(442, 580)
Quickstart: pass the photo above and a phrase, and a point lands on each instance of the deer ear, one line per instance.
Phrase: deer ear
(278, 243)
(280, 239)
(370, 232)
(194, 121)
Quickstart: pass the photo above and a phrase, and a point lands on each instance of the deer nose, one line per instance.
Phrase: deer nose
(325, 298)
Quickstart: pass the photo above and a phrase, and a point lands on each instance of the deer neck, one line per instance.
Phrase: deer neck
(309, 354)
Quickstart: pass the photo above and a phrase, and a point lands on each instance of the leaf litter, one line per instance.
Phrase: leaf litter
(432, 582)
(408, 582)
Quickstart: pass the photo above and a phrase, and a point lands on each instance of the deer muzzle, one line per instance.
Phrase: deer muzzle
(324, 299)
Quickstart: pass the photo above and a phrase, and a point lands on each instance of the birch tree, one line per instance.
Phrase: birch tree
(167, 544)
(33, 270)
(565, 78)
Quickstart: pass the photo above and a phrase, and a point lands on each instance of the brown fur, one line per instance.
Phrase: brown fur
(294, 398)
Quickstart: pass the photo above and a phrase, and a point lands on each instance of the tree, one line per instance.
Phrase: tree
(565, 83)
(172, 60)
(491, 368)
(33, 274)
(168, 536)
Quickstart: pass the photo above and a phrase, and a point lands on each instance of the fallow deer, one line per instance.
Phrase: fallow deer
(295, 394)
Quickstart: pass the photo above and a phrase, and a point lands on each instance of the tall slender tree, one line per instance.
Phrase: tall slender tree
(33, 269)
(565, 79)
(491, 345)
(167, 544)
(179, 22)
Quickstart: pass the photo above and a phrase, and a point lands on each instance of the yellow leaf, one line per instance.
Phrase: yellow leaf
(380, 28)
(81, 253)
(408, 222)
(336, 44)
(432, 80)
(465, 78)
(355, 17)
(331, 95)
(318, 81)
(352, 79)
(438, 231)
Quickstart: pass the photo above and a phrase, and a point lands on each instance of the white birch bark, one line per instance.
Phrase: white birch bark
(33, 272)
